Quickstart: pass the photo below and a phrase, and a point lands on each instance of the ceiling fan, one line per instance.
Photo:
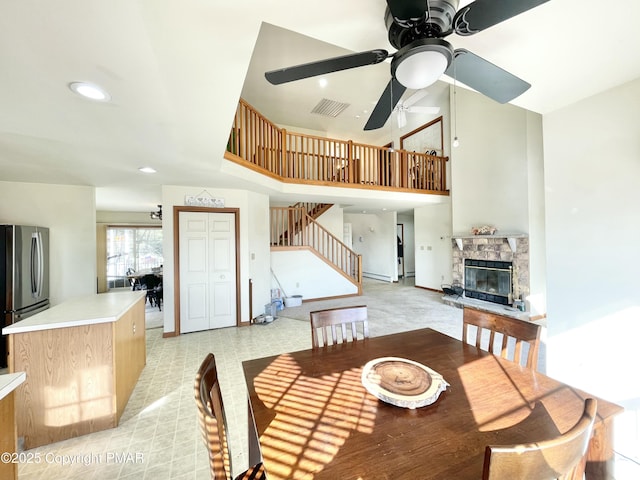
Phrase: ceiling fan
(417, 28)
(409, 106)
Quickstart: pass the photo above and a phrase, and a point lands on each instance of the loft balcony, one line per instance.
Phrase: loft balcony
(257, 143)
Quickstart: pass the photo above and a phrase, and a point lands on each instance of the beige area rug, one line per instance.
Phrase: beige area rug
(391, 308)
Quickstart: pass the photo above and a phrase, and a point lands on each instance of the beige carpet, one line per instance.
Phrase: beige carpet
(392, 307)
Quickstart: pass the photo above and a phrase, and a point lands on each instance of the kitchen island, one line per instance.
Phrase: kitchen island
(82, 359)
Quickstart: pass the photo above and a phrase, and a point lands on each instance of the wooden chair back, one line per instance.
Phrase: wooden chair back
(213, 425)
(339, 325)
(211, 415)
(563, 457)
(515, 334)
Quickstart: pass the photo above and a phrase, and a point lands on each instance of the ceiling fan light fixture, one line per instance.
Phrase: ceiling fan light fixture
(422, 62)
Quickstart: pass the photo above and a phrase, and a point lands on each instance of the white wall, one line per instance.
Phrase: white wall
(537, 299)
(592, 175)
(69, 213)
(333, 221)
(301, 272)
(374, 237)
(592, 178)
(489, 170)
(253, 251)
(433, 245)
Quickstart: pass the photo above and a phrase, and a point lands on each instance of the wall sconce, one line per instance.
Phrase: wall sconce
(156, 215)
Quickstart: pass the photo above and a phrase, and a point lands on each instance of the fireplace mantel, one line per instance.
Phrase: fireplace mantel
(510, 237)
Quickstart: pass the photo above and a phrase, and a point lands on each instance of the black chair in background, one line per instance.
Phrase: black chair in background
(153, 285)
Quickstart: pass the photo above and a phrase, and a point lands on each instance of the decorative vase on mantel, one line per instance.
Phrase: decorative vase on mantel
(484, 230)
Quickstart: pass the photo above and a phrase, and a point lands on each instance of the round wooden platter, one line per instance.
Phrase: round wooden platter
(401, 382)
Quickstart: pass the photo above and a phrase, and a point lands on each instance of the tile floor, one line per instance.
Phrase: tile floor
(158, 436)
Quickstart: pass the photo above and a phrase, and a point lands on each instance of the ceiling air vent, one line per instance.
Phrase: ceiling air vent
(329, 108)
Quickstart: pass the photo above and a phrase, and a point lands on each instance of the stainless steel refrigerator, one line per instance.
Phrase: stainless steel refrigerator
(24, 275)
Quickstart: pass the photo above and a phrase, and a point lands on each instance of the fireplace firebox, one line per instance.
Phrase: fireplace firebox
(488, 280)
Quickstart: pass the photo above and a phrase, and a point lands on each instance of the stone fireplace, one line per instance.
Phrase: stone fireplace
(492, 268)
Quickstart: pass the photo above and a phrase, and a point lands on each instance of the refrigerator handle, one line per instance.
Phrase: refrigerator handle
(37, 264)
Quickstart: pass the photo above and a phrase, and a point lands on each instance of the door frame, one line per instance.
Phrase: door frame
(176, 257)
(401, 225)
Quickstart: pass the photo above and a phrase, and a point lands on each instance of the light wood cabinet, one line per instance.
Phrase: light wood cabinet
(8, 440)
(80, 374)
(8, 470)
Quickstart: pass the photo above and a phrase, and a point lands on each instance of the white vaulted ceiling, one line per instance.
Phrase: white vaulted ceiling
(175, 71)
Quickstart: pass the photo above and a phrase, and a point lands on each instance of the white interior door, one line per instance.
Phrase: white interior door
(207, 271)
(222, 270)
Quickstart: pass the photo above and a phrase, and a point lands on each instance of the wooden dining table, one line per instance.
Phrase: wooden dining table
(316, 420)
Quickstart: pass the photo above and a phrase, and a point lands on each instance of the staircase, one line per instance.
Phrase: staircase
(296, 227)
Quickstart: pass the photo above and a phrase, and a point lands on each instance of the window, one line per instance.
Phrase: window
(132, 249)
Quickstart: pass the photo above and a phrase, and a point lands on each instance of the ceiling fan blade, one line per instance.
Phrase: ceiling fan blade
(485, 77)
(427, 110)
(483, 14)
(415, 98)
(321, 67)
(406, 9)
(385, 105)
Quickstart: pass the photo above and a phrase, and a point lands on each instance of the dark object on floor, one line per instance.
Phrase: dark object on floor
(153, 286)
(155, 296)
(454, 289)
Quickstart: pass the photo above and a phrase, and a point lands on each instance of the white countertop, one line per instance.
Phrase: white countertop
(86, 310)
(9, 382)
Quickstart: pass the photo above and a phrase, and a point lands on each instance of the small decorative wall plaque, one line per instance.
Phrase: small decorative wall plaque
(204, 199)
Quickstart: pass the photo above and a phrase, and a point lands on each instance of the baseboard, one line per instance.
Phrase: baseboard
(376, 276)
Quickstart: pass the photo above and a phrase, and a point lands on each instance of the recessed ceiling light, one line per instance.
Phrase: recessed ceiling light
(323, 82)
(147, 170)
(89, 90)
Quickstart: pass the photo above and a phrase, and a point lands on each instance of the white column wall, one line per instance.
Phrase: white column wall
(253, 251)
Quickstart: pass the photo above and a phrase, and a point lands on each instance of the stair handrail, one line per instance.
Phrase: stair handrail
(302, 230)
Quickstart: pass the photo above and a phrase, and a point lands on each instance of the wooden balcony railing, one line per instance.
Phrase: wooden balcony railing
(293, 227)
(256, 142)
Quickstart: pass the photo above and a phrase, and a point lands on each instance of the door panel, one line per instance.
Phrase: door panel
(197, 255)
(207, 271)
(223, 272)
(196, 308)
(221, 295)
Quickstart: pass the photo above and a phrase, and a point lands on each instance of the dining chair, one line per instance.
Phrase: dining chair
(563, 457)
(331, 325)
(213, 424)
(515, 334)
